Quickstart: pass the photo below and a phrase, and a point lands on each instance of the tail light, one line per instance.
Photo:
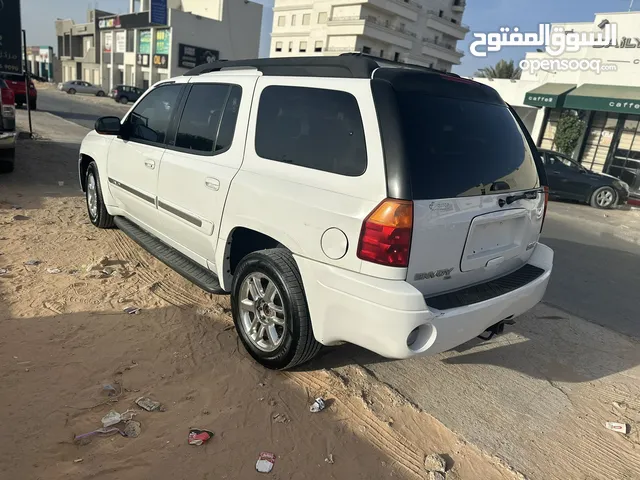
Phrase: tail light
(32, 86)
(546, 202)
(385, 237)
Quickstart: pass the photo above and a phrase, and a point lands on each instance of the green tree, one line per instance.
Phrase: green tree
(568, 132)
(502, 69)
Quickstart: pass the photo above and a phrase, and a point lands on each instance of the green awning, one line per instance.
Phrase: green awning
(605, 98)
(548, 95)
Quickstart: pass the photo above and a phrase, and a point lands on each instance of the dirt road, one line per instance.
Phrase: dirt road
(64, 335)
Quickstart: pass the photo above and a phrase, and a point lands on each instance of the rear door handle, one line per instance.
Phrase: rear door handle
(150, 164)
(212, 183)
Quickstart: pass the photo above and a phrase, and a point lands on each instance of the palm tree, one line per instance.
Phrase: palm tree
(502, 69)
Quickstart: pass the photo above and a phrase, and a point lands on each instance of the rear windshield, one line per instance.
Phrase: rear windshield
(458, 147)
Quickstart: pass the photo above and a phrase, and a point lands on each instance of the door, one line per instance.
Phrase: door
(566, 178)
(200, 163)
(134, 161)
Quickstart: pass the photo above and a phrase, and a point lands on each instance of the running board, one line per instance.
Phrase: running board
(205, 279)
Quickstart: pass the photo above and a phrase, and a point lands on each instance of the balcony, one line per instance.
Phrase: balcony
(407, 9)
(373, 28)
(459, 6)
(446, 25)
(445, 52)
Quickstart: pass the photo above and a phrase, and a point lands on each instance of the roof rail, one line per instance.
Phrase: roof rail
(384, 63)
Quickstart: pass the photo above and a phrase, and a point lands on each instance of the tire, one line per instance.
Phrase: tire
(100, 93)
(71, 91)
(19, 105)
(604, 197)
(123, 100)
(7, 160)
(297, 344)
(33, 106)
(99, 217)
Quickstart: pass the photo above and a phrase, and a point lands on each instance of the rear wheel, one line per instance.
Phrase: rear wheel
(95, 204)
(71, 91)
(100, 93)
(123, 100)
(604, 197)
(270, 310)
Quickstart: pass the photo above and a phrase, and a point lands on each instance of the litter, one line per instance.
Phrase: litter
(110, 390)
(132, 310)
(198, 436)
(32, 262)
(148, 404)
(618, 427)
(132, 429)
(78, 460)
(100, 431)
(3, 271)
(329, 459)
(317, 406)
(436, 476)
(280, 418)
(265, 462)
(20, 217)
(114, 417)
(53, 271)
(435, 463)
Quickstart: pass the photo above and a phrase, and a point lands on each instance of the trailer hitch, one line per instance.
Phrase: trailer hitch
(496, 329)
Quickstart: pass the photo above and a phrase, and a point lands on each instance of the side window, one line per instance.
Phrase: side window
(201, 117)
(312, 128)
(229, 117)
(150, 119)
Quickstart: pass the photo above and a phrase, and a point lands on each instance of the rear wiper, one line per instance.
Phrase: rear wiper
(530, 195)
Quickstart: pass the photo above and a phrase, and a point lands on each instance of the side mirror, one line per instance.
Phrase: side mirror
(108, 126)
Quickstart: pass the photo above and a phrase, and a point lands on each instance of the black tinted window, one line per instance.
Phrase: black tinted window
(313, 128)
(228, 124)
(150, 119)
(459, 147)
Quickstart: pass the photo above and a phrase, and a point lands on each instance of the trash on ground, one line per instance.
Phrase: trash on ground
(280, 418)
(114, 417)
(100, 431)
(16, 207)
(21, 217)
(435, 463)
(317, 406)
(329, 459)
(618, 427)
(53, 271)
(132, 429)
(32, 262)
(435, 476)
(3, 271)
(132, 310)
(107, 271)
(78, 460)
(110, 390)
(198, 436)
(265, 462)
(148, 404)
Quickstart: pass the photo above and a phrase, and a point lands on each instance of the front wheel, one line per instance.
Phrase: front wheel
(100, 93)
(270, 310)
(604, 197)
(95, 204)
(124, 100)
(71, 91)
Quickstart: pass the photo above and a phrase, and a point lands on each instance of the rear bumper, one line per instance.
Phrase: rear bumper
(379, 315)
(21, 97)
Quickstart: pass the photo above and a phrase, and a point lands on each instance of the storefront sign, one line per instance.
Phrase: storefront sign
(158, 12)
(129, 20)
(121, 42)
(163, 42)
(190, 56)
(541, 99)
(142, 59)
(161, 61)
(604, 104)
(144, 42)
(10, 37)
(626, 42)
(108, 42)
(111, 22)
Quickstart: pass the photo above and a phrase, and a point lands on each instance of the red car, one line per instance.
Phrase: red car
(7, 128)
(15, 81)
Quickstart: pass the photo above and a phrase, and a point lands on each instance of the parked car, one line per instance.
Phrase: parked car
(126, 93)
(7, 128)
(570, 180)
(80, 86)
(16, 82)
(394, 207)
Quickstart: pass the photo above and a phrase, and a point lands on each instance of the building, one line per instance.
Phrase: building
(42, 62)
(422, 32)
(608, 102)
(135, 51)
(79, 48)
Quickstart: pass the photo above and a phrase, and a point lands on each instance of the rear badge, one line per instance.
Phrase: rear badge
(436, 274)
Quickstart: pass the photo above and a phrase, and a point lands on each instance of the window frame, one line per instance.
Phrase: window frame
(283, 19)
(278, 48)
(172, 131)
(307, 17)
(366, 145)
(317, 49)
(300, 46)
(127, 120)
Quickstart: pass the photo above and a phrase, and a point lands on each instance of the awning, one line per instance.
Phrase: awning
(548, 95)
(605, 98)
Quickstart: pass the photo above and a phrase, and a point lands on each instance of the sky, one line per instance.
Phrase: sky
(481, 16)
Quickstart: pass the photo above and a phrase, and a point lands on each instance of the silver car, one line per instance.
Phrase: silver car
(80, 86)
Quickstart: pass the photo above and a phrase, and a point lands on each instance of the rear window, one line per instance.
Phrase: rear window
(457, 147)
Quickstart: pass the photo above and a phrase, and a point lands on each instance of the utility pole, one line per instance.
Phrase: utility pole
(27, 81)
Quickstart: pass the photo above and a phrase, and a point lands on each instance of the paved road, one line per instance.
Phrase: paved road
(80, 109)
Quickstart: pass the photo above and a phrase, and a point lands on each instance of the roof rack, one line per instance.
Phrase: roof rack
(346, 65)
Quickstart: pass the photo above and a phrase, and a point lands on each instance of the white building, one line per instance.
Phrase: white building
(423, 32)
(135, 51)
(608, 102)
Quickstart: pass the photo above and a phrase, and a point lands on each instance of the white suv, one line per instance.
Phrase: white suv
(337, 199)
